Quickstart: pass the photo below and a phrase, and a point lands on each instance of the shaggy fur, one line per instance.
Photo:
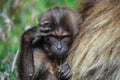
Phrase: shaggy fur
(95, 54)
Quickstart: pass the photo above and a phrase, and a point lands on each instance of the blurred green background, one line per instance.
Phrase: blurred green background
(15, 17)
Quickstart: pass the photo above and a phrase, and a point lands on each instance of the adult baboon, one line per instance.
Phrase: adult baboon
(95, 54)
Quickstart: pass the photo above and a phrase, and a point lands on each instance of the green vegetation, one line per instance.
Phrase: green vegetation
(15, 17)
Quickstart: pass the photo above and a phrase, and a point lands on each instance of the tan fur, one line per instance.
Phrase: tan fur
(95, 54)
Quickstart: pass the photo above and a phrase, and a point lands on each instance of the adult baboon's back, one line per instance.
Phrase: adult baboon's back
(95, 54)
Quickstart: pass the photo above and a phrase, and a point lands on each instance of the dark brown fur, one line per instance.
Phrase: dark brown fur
(34, 63)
